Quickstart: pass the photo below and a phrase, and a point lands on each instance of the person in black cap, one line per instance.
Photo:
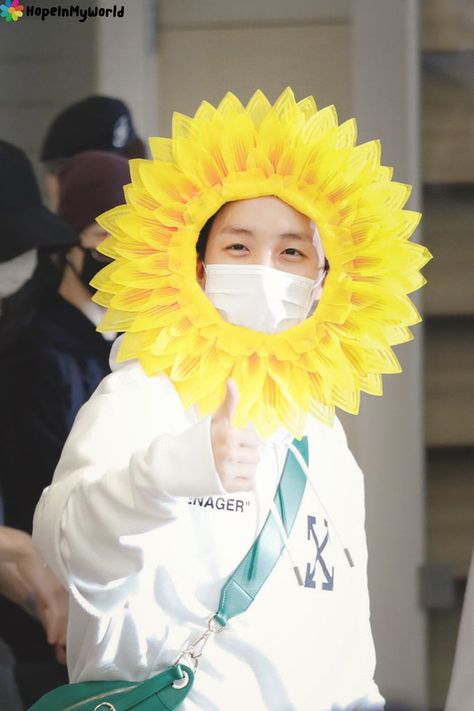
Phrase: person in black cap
(29, 232)
(29, 235)
(47, 375)
(98, 123)
(60, 359)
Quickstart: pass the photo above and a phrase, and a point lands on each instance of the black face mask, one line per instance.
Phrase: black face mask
(90, 267)
(93, 263)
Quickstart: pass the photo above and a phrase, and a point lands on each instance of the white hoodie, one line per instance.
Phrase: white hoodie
(138, 526)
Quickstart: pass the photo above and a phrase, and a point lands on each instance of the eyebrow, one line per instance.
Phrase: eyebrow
(297, 235)
(236, 230)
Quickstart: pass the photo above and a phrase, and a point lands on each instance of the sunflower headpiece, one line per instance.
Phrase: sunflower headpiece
(299, 154)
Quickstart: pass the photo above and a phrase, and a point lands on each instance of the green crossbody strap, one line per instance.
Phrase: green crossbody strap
(245, 582)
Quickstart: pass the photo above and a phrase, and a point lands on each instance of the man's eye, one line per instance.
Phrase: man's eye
(237, 247)
(293, 252)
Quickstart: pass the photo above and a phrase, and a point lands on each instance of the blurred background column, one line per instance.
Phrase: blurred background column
(126, 61)
(388, 435)
(447, 43)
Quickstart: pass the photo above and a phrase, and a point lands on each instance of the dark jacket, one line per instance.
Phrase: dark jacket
(45, 377)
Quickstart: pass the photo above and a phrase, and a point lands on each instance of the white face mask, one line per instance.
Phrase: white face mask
(260, 298)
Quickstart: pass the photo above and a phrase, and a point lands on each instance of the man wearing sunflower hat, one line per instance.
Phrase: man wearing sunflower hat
(260, 274)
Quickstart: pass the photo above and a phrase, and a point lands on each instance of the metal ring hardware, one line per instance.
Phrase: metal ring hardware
(181, 683)
(194, 650)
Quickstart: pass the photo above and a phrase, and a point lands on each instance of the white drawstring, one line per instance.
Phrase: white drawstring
(286, 542)
(305, 469)
(277, 516)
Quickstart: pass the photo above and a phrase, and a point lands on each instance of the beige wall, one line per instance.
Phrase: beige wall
(217, 13)
(388, 435)
(127, 63)
(202, 63)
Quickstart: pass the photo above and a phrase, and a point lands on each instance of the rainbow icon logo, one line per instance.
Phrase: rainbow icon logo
(11, 10)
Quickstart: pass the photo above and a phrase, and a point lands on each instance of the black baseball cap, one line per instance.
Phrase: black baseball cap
(25, 223)
(97, 123)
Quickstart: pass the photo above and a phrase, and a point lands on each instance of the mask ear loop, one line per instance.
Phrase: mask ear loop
(313, 300)
(320, 280)
(318, 245)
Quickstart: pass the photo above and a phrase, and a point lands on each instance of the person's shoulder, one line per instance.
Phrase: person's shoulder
(130, 377)
(331, 433)
(329, 444)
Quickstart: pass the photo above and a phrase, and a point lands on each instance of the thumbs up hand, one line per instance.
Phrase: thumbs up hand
(236, 453)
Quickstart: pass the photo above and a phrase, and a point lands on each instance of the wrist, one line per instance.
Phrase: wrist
(14, 544)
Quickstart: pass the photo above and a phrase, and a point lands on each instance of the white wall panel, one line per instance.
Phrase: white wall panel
(388, 434)
(208, 12)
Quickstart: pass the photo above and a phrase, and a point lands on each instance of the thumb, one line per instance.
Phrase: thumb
(227, 409)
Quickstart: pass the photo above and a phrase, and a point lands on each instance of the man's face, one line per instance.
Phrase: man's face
(52, 189)
(263, 231)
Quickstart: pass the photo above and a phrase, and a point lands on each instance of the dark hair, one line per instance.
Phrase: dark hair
(201, 244)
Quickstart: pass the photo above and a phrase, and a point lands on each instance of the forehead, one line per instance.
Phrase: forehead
(262, 214)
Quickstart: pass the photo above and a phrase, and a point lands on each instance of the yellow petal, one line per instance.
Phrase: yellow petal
(133, 344)
(161, 149)
(155, 317)
(258, 107)
(372, 384)
(131, 299)
(285, 105)
(166, 183)
(230, 106)
(205, 112)
(185, 366)
(183, 126)
(320, 123)
(307, 106)
(347, 134)
(367, 155)
(116, 321)
(238, 140)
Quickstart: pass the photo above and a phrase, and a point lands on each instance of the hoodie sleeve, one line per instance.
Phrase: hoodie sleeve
(130, 456)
